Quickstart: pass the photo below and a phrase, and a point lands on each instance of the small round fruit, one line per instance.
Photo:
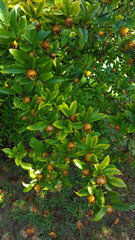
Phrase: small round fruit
(100, 33)
(32, 53)
(117, 127)
(86, 172)
(67, 159)
(87, 157)
(32, 112)
(100, 59)
(88, 74)
(48, 176)
(40, 176)
(87, 127)
(68, 22)
(108, 1)
(71, 146)
(73, 118)
(14, 45)
(6, 85)
(26, 99)
(49, 128)
(102, 94)
(91, 198)
(31, 74)
(124, 31)
(113, 70)
(37, 26)
(109, 209)
(101, 180)
(37, 187)
(65, 173)
(44, 154)
(76, 80)
(83, 139)
(131, 45)
(24, 117)
(53, 55)
(105, 44)
(45, 45)
(39, 100)
(110, 124)
(131, 61)
(59, 186)
(50, 167)
(56, 29)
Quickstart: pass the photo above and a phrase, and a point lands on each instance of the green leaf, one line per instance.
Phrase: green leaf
(123, 207)
(45, 76)
(81, 165)
(29, 186)
(83, 192)
(9, 152)
(117, 182)
(40, 7)
(101, 146)
(37, 145)
(89, 141)
(19, 55)
(96, 117)
(7, 91)
(112, 171)
(14, 69)
(100, 214)
(66, 183)
(42, 35)
(22, 24)
(62, 135)
(13, 20)
(37, 126)
(131, 129)
(83, 34)
(56, 80)
(105, 162)
(65, 110)
(95, 140)
(26, 166)
(73, 107)
(59, 124)
(4, 14)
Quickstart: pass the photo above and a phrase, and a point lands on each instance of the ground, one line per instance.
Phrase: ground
(55, 215)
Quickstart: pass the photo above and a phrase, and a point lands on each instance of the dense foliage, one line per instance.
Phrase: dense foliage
(69, 67)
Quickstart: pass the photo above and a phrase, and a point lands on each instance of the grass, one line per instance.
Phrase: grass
(56, 212)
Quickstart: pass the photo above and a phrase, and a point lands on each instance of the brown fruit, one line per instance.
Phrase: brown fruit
(79, 225)
(73, 118)
(124, 31)
(71, 146)
(110, 124)
(102, 94)
(39, 100)
(91, 198)
(24, 117)
(44, 154)
(113, 70)
(45, 45)
(53, 55)
(57, 134)
(34, 209)
(56, 29)
(32, 53)
(131, 45)
(105, 44)
(32, 112)
(83, 139)
(101, 180)
(100, 33)
(87, 157)
(68, 22)
(76, 80)
(87, 127)
(88, 74)
(37, 187)
(30, 230)
(59, 186)
(26, 99)
(65, 173)
(108, 1)
(50, 167)
(36, 83)
(49, 128)
(31, 74)
(37, 26)
(131, 61)
(109, 209)
(52, 234)
(40, 176)
(48, 175)
(100, 59)
(67, 159)
(86, 172)
(14, 45)
(117, 127)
